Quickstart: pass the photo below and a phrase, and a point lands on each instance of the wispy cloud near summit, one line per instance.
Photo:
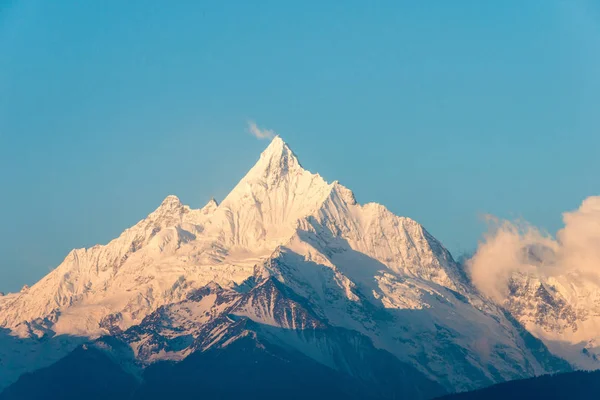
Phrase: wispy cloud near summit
(260, 133)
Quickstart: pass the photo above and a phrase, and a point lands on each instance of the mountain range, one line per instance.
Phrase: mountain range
(288, 287)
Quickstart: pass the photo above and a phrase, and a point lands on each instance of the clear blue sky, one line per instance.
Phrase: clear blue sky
(441, 110)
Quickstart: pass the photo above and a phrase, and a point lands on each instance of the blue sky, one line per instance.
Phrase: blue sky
(440, 110)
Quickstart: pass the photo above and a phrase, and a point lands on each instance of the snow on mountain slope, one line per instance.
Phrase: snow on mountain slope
(209, 317)
(457, 339)
(356, 267)
(563, 310)
(262, 210)
(126, 274)
(214, 318)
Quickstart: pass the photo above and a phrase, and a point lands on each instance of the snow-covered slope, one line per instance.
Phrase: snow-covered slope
(354, 267)
(215, 319)
(563, 310)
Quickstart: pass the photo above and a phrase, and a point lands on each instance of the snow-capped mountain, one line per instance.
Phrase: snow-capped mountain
(286, 259)
(563, 310)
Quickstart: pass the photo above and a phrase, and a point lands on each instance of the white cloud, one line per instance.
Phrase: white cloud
(511, 247)
(260, 133)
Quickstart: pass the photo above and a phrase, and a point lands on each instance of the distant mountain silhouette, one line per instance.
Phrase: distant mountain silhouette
(572, 386)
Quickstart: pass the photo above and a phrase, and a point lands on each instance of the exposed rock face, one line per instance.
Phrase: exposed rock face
(561, 310)
(531, 301)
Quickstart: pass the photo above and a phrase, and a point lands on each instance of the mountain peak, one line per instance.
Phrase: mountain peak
(210, 207)
(170, 206)
(277, 160)
(170, 203)
(277, 141)
(277, 147)
(171, 200)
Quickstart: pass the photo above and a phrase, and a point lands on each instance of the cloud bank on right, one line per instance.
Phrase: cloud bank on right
(550, 284)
